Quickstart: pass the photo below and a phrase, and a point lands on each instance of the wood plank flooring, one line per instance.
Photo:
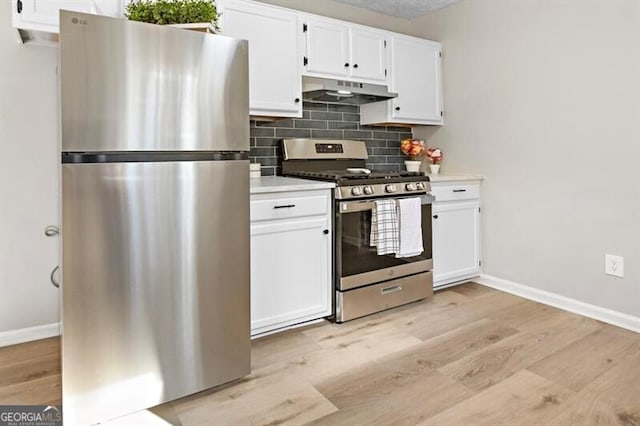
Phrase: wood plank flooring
(470, 355)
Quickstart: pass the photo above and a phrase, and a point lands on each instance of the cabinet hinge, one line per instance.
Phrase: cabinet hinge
(304, 28)
(305, 61)
(19, 6)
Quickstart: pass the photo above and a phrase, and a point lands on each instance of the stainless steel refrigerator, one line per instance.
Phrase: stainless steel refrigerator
(155, 189)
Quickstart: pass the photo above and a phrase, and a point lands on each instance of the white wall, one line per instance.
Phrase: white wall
(543, 98)
(28, 190)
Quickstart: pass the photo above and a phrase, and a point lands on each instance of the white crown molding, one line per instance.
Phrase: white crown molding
(22, 335)
(609, 316)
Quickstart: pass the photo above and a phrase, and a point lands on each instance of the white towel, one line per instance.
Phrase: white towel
(384, 227)
(410, 229)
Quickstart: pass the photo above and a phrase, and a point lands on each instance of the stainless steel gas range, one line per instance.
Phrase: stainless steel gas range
(365, 281)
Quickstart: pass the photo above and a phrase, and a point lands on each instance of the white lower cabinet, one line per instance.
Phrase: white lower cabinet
(456, 233)
(290, 258)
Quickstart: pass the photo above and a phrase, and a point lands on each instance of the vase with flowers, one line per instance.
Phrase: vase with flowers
(414, 148)
(435, 156)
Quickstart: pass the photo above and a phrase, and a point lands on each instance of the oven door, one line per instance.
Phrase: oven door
(357, 263)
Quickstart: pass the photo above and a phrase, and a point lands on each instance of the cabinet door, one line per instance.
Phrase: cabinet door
(46, 12)
(415, 76)
(456, 241)
(43, 15)
(290, 272)
(274, 68)
(368, 57)
(113, 8)
(327, 48)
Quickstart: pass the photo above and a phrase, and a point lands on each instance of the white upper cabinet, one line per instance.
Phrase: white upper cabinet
(368, 56)
(416, 78)
(341, 50)
(327, 45)
(43, 15)
(275, 87)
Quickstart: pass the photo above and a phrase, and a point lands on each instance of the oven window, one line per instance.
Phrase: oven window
(356, 255)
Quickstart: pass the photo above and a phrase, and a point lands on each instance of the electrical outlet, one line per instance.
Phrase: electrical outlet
(614, 265)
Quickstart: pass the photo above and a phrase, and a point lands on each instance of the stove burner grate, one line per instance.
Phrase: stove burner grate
(344, 175)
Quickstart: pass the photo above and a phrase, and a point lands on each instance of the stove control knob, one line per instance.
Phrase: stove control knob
(390, 188)
(368, 190)
(410, 187)
(420, 185)
(356, 191)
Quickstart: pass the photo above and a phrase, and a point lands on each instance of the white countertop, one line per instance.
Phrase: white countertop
(266, 184)
(453, 177)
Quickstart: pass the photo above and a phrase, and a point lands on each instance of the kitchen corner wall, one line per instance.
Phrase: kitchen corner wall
(326, 121)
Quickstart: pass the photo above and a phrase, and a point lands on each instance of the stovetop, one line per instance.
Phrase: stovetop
(344, 162)
(345, 178)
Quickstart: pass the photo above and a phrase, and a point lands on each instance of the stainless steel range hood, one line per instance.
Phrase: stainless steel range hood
(343, 92)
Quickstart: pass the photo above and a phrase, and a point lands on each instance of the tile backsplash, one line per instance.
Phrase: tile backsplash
(326, 121)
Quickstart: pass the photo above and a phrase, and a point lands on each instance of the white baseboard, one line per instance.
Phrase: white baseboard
(22, 335)
(609, 316)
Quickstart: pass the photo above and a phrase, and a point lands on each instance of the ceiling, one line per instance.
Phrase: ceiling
(408, 9)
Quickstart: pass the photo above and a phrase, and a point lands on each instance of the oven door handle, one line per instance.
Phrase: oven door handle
(364, 205)
(356, 206)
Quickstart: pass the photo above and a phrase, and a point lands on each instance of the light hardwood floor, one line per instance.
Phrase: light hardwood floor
(469, 355)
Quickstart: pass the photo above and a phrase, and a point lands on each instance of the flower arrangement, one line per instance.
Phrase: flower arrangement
(434, 155)
(414, 148)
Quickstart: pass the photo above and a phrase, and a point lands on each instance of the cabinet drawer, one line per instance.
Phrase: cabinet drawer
(389, 294)
(284, 208)
(455, 192)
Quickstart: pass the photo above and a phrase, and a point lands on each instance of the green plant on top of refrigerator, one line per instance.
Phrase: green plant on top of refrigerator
(167, 12)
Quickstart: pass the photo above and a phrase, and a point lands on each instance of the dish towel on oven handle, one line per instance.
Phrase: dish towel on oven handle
(384, 227)
(410, 229)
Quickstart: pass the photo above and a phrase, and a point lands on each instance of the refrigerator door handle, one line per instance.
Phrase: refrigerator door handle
(52, 277)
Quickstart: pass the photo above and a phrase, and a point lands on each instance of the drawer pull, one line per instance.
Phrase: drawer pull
(389, 290)
(459, 190)
(285, 206)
